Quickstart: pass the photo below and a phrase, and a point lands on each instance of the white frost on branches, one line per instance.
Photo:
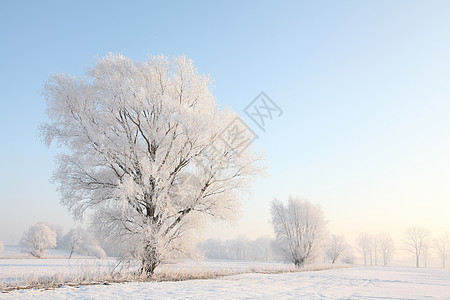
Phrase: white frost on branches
(336, 248)
(442, 245)
(80, 241)
(37, 239)
(138, 137)
(300, 229)
(387, 247)
(416, 241)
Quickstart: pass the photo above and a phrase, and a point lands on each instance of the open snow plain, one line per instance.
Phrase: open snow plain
(343, 283)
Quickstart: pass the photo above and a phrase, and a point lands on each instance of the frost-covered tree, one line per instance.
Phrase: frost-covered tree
(386, 246)
(90, 245)
(442, 245)
(75, 240)
(58, 229)
(349, 257)
(374, 250)
(2, 247)
(81, 241)
(300, 229)
(426, 253)
(37, 239)
(364, 245)
(416, 240)
(149, 152)
(336, 248)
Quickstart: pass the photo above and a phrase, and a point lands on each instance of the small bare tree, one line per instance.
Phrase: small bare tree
(386, 246)
(74, 240)
(81, 241)
(442, 245)
(363, 243)
(415, 241)
(37, 239)
(300, 229)
(337, 248)
(374, 250)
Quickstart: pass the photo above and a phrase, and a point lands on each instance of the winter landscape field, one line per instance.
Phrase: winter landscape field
(239, 149)
(231, 280)
(253, 280)
(337, 283)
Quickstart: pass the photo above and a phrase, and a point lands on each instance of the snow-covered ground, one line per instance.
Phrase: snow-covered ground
(16, 266)
(15, 251)
(18, 270)
(346, 283)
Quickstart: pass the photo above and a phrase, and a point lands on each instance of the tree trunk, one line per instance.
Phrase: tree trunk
(148, 268)
(299, 262)
(417, 261)
(149, 261)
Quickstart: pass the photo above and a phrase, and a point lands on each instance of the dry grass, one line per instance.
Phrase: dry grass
(83, 275)
(90, 275)
(168, 273)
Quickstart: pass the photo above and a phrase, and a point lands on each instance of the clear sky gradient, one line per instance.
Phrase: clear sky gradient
(364, 87)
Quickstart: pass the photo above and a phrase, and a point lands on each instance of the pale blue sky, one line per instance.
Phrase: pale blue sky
(364, 86)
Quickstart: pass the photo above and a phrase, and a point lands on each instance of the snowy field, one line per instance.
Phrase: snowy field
(340, 283)
(345, 283)
(17, 270)
(16, 266)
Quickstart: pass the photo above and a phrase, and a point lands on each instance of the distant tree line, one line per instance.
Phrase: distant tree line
(379, 249)
(375, 249)
(43, 236)
(241, 248)
(419, 242)
(301, 237)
